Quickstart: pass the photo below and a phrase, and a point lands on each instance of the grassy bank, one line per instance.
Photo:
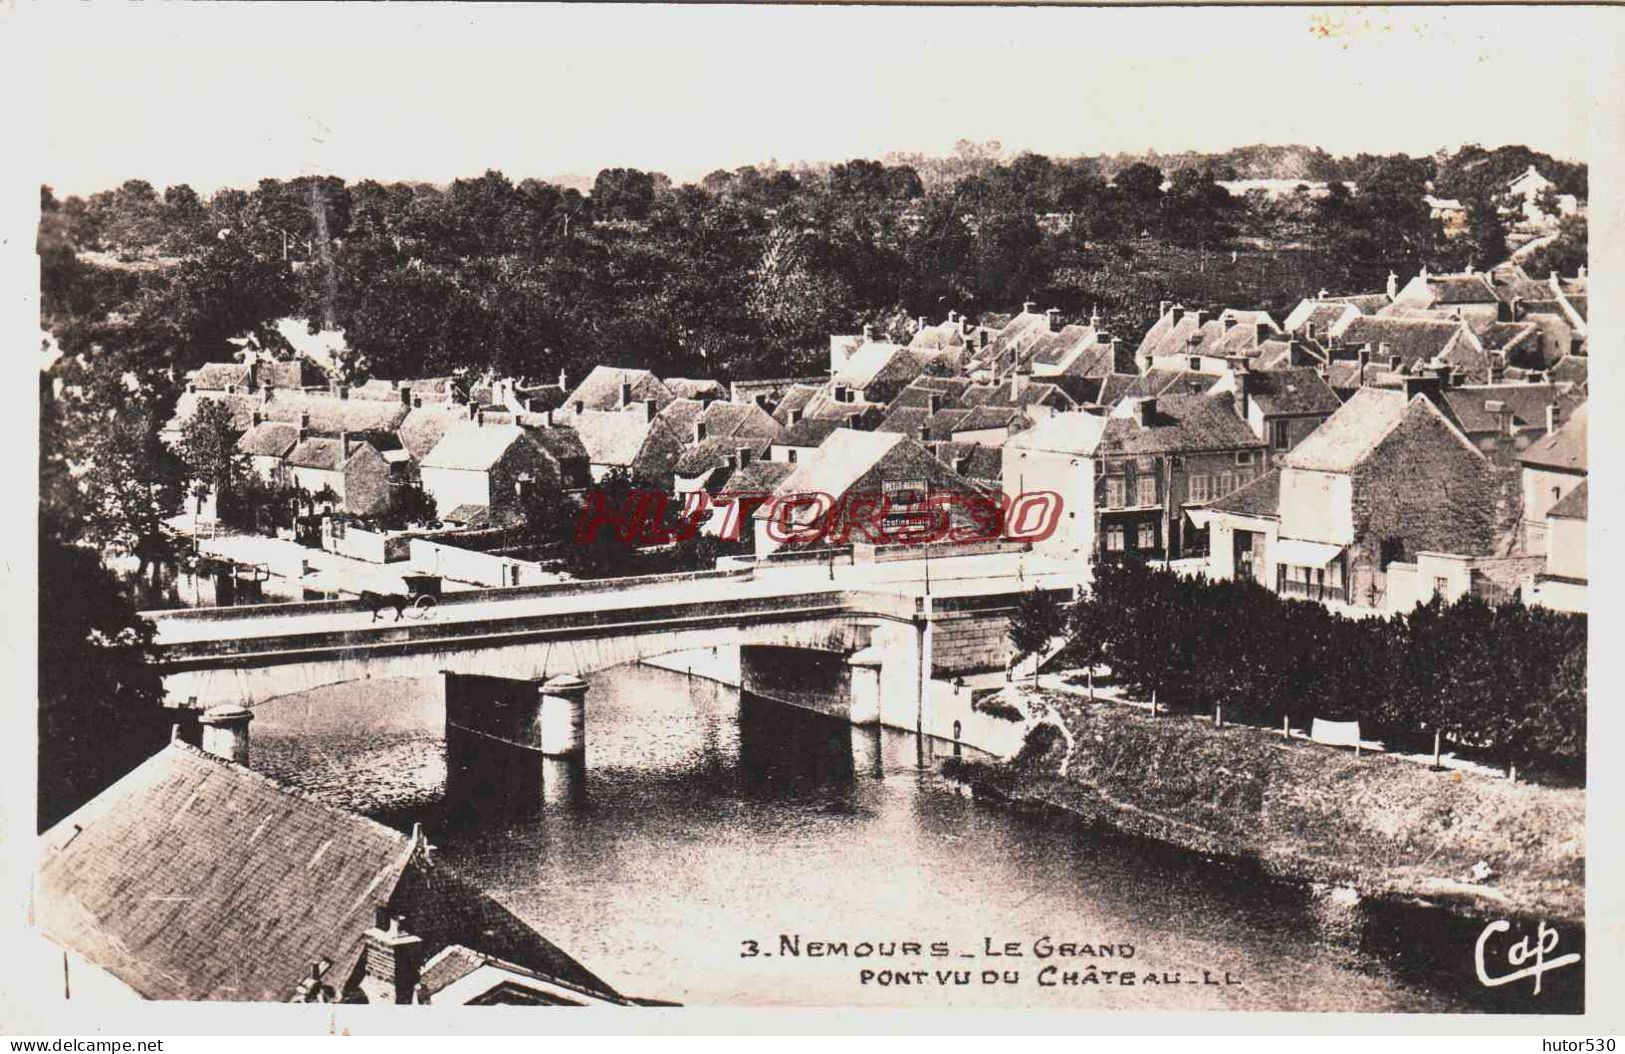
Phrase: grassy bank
(1304, 811)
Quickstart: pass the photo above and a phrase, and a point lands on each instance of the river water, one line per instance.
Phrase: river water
(704, 820)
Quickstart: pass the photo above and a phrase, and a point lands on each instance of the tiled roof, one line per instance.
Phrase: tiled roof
(601, 389)
(1564, 448)
(1179, 424)
(1413, 340)
(323, 452)
(796, 397)
(474, 447)
(191, 878)
(1573, 506)
(196, 879)
(424, 426)
(330, 415)
(760, 477)
(1260, 497)
(611, 437)
(1506, 336)
(1322, 313)
(218, 376)
(808, 432)
(1299, 390)
(842, 460)
(269, 439)
(715, 452)
(1069, 433)
(1347, 437)
(982, 418)
(1527, 403)
(1365, 303)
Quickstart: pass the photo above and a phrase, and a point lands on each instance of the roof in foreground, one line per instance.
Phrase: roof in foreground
(194, 878)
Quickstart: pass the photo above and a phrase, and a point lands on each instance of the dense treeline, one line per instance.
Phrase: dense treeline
(745, 272)
(1502, 682)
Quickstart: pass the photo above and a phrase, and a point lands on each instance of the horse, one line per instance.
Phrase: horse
(381, 602)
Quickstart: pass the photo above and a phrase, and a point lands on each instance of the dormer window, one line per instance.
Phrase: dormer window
(1244, 457)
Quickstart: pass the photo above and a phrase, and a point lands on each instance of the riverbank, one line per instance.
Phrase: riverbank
(1301, 811)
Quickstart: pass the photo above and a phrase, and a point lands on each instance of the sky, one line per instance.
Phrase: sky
(222, 95)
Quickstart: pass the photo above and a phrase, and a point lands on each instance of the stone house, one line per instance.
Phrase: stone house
(1282, 407)
(1386, 477)
(354, 468)
(1134, 475)
(852, 463)
(1553, 466)
(497, 466)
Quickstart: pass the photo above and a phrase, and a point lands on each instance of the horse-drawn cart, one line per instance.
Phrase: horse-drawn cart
(420, 600)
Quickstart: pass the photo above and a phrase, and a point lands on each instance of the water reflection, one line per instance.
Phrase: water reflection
(702, 818)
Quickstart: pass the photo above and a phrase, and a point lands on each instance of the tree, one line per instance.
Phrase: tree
(208, 446)
(1565, 254)
(1038, 619)
(100, 696)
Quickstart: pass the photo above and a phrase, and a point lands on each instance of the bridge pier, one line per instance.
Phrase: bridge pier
(514, 745)
(563, 717)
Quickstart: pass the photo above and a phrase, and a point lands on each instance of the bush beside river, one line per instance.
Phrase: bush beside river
(1378, 823)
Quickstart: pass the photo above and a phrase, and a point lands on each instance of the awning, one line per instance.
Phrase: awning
(1199, 517)
(1304, 554)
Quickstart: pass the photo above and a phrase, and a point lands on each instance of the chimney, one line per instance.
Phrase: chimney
(225, 732)
(1054, 316)
(923, 434)
(1123, 358)
(1243, 381)
(699, 431)
(841, 394)
(650, 409)
(1363, 357)
(191, 387)
(265, 394)
(394, 958)
(1262, 332)
(984, 339)
(1145, 411)
(1201, 318)
(581, 406)
(1393, 285)
(868, 333)
(344, 448)
(1429, 385)
(953, 317)
(259, 418)
(1229, 323)
(1028, 307)
(344, 391)
(474, 411)
(417, 401)
(745, 455)
(231, 389)
(304, 425)
(1309, 330)
(1503, 417)
(563, 386)
(1551, 418)
(1163, 307)
(933, 401)
(406, 395)
(547, 415)
(961, 463)
(922, 324)
(793, 416)
(1175, 313)
(1094, 319)
(1018, 381)
(626, 394)
(1580, 272)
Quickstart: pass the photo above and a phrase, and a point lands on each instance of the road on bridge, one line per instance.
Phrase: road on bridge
(942, 577)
